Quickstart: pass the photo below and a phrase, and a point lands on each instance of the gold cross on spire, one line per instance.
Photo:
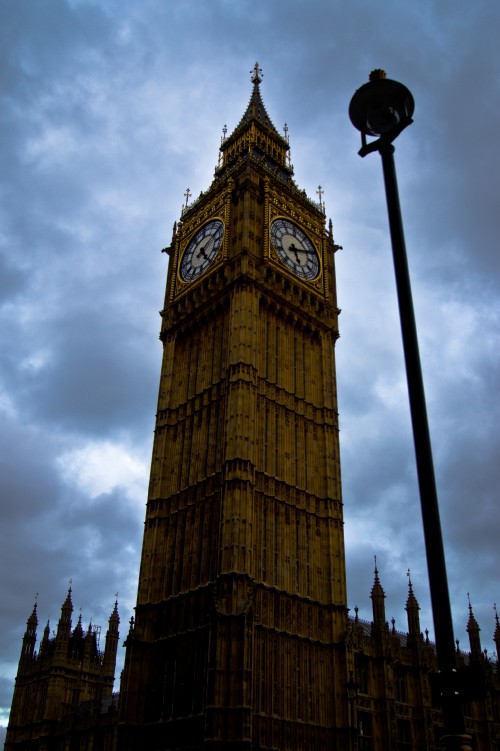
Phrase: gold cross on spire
(257, 74)
(320, 193)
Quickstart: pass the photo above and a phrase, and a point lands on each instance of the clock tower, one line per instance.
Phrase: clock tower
(241, 611)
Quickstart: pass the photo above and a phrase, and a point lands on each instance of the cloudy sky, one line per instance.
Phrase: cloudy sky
(109, 111)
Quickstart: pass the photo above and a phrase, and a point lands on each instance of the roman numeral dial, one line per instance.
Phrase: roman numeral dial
(201, 250)
(295, 249)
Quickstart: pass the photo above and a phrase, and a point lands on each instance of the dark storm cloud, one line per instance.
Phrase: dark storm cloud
(109, 112)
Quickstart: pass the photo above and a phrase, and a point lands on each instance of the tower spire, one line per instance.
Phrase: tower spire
(257, 74)
(112, 636)
(378, 596)
(256, 136)
(473, 631)
(29, 639)
(496, 635)
(412, 607)
(64, 625)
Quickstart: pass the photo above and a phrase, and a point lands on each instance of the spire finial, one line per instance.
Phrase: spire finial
(408, 574)
(377, 74)
(470, 606)
(320, 193)
(496, 613)
(257, 74)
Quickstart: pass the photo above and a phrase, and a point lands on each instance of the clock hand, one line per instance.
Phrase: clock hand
(295, 250)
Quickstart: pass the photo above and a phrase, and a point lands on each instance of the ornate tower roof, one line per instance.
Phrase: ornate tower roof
(473, 631)
(32, 621)
(412, 607)
(29, 639)
(78, 630)
(496, 635)
(67, 606)
(378, 596)
(114, 618)
(256, 134)
(256, 109)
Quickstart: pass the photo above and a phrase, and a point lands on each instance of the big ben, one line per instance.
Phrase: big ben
(237, 641)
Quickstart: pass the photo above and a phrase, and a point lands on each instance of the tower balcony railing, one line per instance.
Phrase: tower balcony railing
(261, 161)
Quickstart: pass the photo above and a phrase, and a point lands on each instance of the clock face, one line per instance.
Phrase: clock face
(202, 249)
(295, 249)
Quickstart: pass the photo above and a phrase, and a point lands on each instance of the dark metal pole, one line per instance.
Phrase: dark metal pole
(440, 599)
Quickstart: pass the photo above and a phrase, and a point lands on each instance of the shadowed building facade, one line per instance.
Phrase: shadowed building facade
(241, 637)
(63, 697)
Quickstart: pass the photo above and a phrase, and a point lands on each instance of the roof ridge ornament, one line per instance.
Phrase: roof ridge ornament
(257, 74)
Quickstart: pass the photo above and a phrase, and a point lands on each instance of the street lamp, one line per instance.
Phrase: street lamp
(383, 108)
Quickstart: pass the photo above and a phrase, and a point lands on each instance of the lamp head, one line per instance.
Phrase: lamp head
(381, 107)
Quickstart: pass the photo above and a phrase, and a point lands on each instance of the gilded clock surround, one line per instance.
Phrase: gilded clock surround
(211, 233)
(215, 208)
(283, 227)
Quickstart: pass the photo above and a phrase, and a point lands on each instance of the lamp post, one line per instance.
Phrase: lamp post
(383, 108)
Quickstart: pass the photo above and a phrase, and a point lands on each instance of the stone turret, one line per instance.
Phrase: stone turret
(412, 607)
(64, 626)
(496, 635)
(29, 638)
(474, 639)
(378, 603)
(112, 637)
(44, 644)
